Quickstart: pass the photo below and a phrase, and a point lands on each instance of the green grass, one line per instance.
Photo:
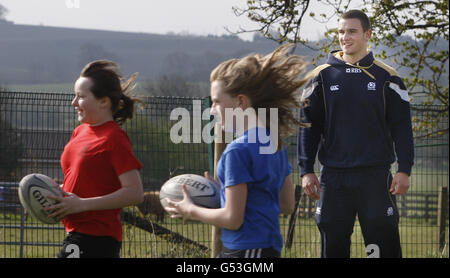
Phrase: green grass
(418, 240)
(421, 179)
(428, 180)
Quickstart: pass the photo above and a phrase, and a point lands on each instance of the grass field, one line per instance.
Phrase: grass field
(419, 240)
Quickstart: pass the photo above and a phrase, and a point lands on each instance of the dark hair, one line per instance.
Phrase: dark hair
(271, 81)
(358, 14)
(107, 82)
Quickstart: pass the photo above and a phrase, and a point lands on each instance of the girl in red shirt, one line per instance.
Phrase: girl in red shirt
(101, 173)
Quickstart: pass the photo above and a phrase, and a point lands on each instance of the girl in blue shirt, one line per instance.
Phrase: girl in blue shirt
(253, 171)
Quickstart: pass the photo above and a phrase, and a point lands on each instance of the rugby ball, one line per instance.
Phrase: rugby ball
(33, 192)
(204, 192)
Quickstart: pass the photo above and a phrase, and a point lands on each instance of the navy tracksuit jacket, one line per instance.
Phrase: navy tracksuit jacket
(360, 122)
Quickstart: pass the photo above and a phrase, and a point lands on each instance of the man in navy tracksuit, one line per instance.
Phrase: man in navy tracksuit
(360, 121)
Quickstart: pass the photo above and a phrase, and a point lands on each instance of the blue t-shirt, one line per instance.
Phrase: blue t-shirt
(243, 161)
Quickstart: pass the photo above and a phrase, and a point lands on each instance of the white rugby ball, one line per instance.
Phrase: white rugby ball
(33, 192)
(204, 192)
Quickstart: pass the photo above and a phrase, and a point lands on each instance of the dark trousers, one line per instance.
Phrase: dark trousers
(358, 192)
(78, 245)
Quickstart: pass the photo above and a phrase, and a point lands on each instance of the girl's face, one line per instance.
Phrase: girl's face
(220, 101)
(90, 110)
(235, 113)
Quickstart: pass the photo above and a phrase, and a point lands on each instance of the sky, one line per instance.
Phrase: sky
(196, 17)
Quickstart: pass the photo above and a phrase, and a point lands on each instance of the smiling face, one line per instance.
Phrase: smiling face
(353, 39)
(90, 110)
(220, 101)
(235, 113)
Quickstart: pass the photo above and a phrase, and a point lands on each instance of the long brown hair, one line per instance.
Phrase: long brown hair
(107, 82)
(272, 81)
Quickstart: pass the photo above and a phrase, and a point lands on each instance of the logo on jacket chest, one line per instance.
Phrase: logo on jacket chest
(371, 86)
(334, 88)
(353, 70)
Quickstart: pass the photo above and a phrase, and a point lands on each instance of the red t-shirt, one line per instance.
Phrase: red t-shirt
(92, 162)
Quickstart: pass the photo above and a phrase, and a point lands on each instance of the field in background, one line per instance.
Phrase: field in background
(138, 243)
(159, 87)
(66, 88)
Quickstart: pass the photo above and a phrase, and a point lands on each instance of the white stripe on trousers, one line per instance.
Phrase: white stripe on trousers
(259, 253)
(252, 254)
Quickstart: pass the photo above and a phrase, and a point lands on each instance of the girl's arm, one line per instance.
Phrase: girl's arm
(131, 193)
(230, 217)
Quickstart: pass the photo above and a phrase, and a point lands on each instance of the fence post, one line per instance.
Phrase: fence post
(219, 147)
(442, 217)
(211, 145)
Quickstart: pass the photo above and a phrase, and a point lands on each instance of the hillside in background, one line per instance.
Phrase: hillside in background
(53, 55)
(38, 54)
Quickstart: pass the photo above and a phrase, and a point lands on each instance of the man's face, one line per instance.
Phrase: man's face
(352, 38)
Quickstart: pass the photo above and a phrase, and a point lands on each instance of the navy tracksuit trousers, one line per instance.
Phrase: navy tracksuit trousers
(363, 192)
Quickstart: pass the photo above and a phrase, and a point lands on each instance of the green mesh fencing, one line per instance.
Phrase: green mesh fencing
(35, 127)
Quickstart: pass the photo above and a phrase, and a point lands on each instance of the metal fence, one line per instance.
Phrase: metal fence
(35, 127)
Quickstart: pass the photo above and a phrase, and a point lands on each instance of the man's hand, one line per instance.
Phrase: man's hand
(311, 186)
(400, 184)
